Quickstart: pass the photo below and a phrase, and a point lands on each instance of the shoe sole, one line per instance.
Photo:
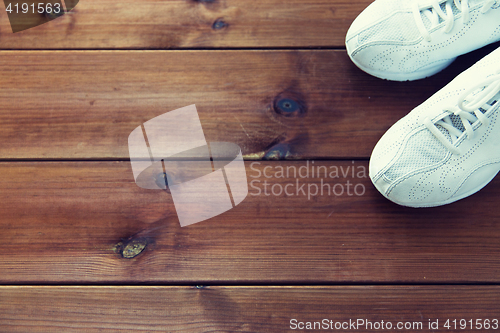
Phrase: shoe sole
(441, 203)
(421, 74)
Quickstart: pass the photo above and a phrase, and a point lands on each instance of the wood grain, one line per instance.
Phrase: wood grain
(83, 105)
(167, 24)
(70, 222)
(71, 92)
(240, 309)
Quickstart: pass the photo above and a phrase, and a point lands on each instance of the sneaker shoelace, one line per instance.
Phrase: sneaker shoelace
(468, 113)
(435, 13)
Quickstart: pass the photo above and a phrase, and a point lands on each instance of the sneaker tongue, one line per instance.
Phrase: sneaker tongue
(425, 19)
(425, 14)
(457, 120)
(429, 3)
(492, 101)
(456, 10)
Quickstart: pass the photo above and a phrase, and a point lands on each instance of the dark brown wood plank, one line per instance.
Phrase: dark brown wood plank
(83, 105)
(240, 309)
(161, 24)
(63, 222)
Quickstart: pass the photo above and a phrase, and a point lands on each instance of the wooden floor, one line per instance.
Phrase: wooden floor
(84, 249)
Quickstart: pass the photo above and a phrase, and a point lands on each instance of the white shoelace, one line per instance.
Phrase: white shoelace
(469, 113)
(435, 12)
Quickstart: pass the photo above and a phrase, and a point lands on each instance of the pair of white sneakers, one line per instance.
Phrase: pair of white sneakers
(448, 147)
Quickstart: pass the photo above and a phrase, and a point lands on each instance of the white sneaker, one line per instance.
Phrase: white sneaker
(405, 40)
(448, 147)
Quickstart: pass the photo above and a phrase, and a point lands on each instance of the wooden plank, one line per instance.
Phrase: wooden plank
(166, 24)
(83, 105)
(246, 309)
(73, 222)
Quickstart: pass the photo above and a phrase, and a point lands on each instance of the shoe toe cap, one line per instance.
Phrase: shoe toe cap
(375, 37)
(410, 191)
(367, 18)
(403, 164)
